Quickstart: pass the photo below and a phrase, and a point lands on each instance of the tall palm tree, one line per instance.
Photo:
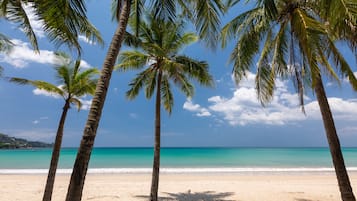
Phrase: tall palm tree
(159, 43)
(206, 17)
(73, 84)
(63, 21)
(295, 41)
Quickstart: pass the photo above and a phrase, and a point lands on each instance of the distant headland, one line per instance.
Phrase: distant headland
(7, 142)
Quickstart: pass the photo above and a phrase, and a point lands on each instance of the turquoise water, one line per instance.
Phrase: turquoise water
(179, 157)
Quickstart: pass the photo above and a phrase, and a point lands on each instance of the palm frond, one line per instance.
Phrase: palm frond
(150, 83)
(207, 19)
(166, 94)
(39, 84)
(131, 40)
(64, 75)
(5, 44)
(264, 84)
(132, 60)
(138, 83)
(64, 21)
(76, 102)
(15, 12)
(342, 64)
(232, 28)
(180, 79)
(198, 70)
(242, 56)
(279, 65)
(164, 9)
(270, 8)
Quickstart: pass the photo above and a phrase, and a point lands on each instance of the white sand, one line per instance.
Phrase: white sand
(190, 187)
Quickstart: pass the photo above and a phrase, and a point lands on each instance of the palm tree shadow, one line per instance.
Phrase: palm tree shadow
(197, 196)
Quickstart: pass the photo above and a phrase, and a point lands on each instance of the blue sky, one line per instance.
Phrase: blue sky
(226, 115)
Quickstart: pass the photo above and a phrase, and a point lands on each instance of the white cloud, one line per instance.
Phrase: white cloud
(201, 112)
(45, 93)
(36, 122)
(243, 107)
(133, 115)
(86, 40)
(21, 55)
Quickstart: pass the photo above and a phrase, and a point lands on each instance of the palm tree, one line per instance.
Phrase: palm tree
(73, 84)
(296, 41)
(206, 16)
(63, 21)
(159, 43)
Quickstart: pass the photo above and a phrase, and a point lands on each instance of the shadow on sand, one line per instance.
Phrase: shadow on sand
(197, 196)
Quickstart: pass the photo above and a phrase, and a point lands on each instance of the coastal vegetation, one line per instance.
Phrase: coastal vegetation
(205, 16)
(297, 43)
(7, 142)
(158, 44)
(73, 84)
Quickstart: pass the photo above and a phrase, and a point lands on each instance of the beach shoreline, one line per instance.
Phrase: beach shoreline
(282, 186)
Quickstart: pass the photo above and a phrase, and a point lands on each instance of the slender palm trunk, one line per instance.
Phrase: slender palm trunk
(334, 144)
(156, 163)
(80, 167)
(47, 196)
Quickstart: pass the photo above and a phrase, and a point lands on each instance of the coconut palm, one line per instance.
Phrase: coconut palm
(295, 42)
(158, 57)
(63, 21)
(205, 14)
(73, 85)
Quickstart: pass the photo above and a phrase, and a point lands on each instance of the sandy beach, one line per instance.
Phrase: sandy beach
(188, 187)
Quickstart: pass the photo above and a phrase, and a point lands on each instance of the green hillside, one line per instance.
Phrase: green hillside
(7, 142)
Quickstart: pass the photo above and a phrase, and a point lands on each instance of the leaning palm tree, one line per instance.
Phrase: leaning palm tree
(63, 21)
(204, 13)
(159, 44)
(73, 84)
(295, 42)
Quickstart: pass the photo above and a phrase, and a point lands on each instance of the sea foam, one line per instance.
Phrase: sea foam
(179, 170)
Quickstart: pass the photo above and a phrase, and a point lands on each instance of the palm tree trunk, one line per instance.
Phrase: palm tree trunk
(334, 143)
(156, 163)
(47, 196)
(80, 167)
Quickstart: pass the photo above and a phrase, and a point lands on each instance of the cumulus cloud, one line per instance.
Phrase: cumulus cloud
(86, 40)
(21, 55)
(42, 92)
(243, 108)
(200, 111)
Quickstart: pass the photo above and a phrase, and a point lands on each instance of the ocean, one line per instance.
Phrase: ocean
(179, 160)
